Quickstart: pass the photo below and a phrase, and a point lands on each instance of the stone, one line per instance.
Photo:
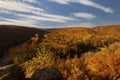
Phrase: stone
(47, 74)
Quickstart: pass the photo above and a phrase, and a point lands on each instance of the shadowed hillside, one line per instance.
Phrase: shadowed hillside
(14, 35)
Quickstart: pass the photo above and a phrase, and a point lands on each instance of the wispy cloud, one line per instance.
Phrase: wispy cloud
(87, 24)
(87, 3)
(30, 1)
(46, 17)
(60, 1)
(96, 5)
(84, 15)
(24, 11)
(18, 6)
(22, 22)
(41, 17)
(81, 24)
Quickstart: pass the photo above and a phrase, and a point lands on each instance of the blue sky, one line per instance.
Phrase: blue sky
(59, 13)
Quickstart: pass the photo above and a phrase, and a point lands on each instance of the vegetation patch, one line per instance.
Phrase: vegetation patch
(79, 54)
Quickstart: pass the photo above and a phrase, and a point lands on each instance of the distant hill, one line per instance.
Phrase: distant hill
(111, 29)
(102, 30)
(65, 35)
(11, 35)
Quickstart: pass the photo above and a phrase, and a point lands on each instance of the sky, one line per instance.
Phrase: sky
(59, 13)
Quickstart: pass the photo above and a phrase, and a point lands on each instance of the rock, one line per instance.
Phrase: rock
(47, 74)
(4, 61)
(11, 72)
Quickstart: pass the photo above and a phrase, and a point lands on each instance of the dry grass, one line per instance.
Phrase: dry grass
(94, 56)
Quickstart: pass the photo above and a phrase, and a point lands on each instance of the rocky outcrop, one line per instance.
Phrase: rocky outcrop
(47, 74)
(11, 72)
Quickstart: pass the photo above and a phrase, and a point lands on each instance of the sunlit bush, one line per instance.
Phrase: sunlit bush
(104, 64)
(19, 55)
(42, 59)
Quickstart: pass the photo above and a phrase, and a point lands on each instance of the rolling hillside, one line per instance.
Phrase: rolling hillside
(11, 35)
(78, 53)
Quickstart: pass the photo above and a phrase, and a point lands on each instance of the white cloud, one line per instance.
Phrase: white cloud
(84, 15)
(18, 6)
(52, 18)
(96, 5)
(41, 17)
(81, 24)
(59, 17)
(87, 24)
(87, 3)
(60, 1)
(30, 1)
(13, 7)
(22, 22)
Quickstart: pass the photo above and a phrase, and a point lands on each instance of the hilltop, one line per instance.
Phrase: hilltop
(111, 29)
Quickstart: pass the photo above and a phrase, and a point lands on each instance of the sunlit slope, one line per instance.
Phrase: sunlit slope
(111, 30)
(65, 35)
